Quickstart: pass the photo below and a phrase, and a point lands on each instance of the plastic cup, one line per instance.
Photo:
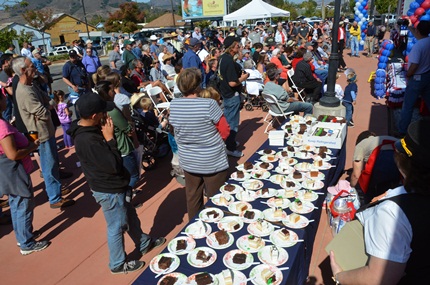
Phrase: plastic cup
(34, 135)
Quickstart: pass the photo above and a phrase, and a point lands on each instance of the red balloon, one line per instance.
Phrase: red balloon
(407, 58)
(419, 11)
(416, 23)
(413, 19)
(425, 5)
(366, 7)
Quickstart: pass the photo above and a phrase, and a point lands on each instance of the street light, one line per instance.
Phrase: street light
(329, 99)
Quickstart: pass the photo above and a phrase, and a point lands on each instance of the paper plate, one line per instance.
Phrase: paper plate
(258, 280)
(271, 192)
(326, 158)
(276, 239)
(284, 170)
(181, 278)
(191, 279)
(241, 168)
(237, 189)
(253, 184)
(198, 230)
(226, 224)
(228, 260)
(216, 199)
(320, 176)
(291, 176)
(304, 166)
(211, 215)
(296, 186)
(257, 215)
(212, 241)
(269, 214)
(243, 244)
(246, 176)
(236, 206)
(262, 152)
(302, 223)
(260, 174)
(191, 258)
(268, 255)
(302, 155)
(277, 178)
(285, 203)
(238, 278)
(307, 207)
(191, 244)
(313, 184)
(267, 229)
(286, 194)
(153, 265)
(307, 147)
(269, 158)
(303, 195)
(258, 166)
(287, 161)
(246, 196)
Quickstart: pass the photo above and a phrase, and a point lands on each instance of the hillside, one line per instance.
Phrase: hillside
(74, 8)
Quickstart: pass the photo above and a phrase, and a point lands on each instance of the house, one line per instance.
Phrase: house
(38, 39)
(65, 29)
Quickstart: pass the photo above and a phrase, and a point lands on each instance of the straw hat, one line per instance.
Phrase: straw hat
(136, 98)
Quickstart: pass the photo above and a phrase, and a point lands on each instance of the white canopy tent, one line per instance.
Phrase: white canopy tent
(256, 9)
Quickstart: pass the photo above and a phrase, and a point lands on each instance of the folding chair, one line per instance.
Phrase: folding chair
(152, 94)
(170, 84)
(273, 102)
(298, 89)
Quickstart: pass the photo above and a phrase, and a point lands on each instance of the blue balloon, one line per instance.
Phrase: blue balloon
(380, 73)
(383, 59)
(380, 80)
(419, 1)
(414, 6)
(409, 46)
(428, 12)
(410, 35)
(386, 52)
(380, 86)
(380, 93)
(404, 52)
(425, 17)
(414, 40)
(390, 46)
(409, 13)
(382, 65)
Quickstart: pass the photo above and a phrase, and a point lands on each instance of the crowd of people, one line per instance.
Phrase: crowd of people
(209, 75)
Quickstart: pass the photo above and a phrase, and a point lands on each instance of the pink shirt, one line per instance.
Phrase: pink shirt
(21, 141)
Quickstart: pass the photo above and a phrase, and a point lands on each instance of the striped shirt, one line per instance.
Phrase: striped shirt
(200, 146)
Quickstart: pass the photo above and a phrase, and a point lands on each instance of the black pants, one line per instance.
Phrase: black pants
(341, 46)
(312, 89)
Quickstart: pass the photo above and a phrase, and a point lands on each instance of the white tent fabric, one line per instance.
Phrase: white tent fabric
(256, 9)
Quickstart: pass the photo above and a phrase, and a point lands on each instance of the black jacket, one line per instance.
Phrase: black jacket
(303, 73)
(101, 161)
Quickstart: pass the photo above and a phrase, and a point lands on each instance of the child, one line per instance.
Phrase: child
(65, 116)
(146, 110)
(349, 97)
(222, 125)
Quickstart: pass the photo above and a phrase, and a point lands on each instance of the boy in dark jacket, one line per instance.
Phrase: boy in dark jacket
(102, 165)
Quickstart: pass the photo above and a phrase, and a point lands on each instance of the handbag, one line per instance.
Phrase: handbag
(14, 179)
(366, 174)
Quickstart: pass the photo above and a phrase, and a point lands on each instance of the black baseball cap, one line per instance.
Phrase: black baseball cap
(73, 53)
(91, 103)
(415, 143)
(228, 41)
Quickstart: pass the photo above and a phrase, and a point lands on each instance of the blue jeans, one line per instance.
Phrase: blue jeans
(347, 42)
(50, 169)
(7, 113)
(21, 210)
(130, 163)
(349, 108)
(306, 108)
(232, 115)
(354, 45)
(322, 74)
(414, 89)
(120, 216)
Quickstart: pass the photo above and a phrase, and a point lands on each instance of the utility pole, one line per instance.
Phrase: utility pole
(322, 10)
(85, 18)
(173, 14)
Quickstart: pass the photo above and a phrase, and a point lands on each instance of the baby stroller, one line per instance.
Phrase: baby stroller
(153, 139)
(253, 89)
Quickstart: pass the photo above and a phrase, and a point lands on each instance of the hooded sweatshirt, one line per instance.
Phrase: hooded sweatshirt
(100, 160)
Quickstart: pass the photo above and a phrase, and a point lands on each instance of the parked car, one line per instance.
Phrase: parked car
(59, 50)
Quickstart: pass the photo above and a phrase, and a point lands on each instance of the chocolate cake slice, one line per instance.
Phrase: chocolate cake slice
(297, 175)
(212, 214)
(290, 184)
(165, 262)
(264, 165)
(229, 187)
(265, 191)
(249, 215)
(169, 280)
(267, 151)
(203, 279)
(222, 237)
(239, 258)
(181, 244)
(284, 153)
(240, 174)
(290, 148)
(203, 256)
(248, 165)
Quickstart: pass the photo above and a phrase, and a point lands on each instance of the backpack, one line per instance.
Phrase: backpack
(215, 79)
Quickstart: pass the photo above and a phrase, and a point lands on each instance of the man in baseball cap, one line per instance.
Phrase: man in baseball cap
(190, 58)
(108, 179)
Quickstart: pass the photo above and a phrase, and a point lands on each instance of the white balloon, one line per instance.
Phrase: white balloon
(360, 15)
(357, 12)
(362, 42)
(357, 4)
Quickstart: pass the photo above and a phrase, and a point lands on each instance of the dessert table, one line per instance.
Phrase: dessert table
(299, 253)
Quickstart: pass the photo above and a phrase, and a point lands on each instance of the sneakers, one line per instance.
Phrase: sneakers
(63, 203)
(350, 125)
(154, 244)
(36, 234)
(38, 246)
(235, 153)
(127, 267)
(64, 192)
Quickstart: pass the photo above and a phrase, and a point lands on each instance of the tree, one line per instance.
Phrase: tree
(8, 35)
(124, 20)
(383, 5)
(96, 19)
(39, 19)
(309, 7)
